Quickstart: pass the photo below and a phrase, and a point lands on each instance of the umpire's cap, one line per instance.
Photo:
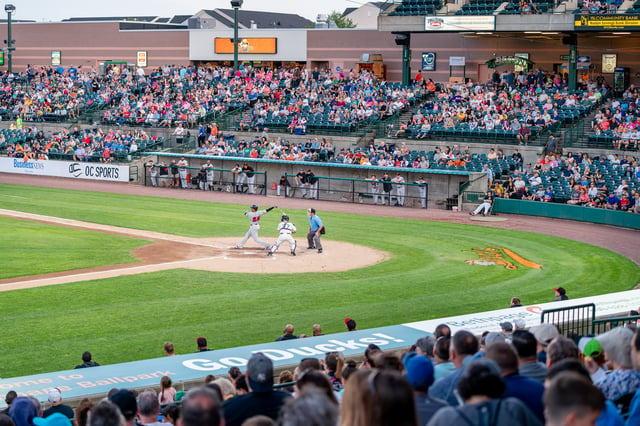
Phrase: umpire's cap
(253, 207)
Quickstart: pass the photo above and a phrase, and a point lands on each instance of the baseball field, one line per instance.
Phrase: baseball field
(397, 270)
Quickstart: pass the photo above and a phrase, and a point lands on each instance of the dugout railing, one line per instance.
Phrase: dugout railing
(572, 320)
(327, 188)
(602, 325)
(213, 179)
(361, 191)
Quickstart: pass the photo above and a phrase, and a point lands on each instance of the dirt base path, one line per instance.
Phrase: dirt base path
(208, 254)
(216, 254)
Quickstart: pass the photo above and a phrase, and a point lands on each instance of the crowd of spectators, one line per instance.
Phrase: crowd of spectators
(521, 106)
(619, 122)
(610, 182)
(91, 144)
(519, 376)
(598, 7)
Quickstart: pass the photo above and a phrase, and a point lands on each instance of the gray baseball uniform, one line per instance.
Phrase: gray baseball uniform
(285, 231)
(254, 226)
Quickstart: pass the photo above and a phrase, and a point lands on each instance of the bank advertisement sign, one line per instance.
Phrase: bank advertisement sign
(68, 169)
(607, 22)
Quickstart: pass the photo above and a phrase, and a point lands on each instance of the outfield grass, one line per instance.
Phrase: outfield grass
(129, 318)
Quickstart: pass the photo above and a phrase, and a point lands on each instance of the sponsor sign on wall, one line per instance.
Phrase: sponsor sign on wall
(606, 22)
(247, 45)
(68, 169)
(609, 63)
(429, 61)
(460, 23)
(457, 61)
(141, 58)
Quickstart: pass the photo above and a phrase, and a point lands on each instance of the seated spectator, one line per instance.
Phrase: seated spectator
(572, 399)
(311, 407)
(201, 407)
(261, 400)
(106, 413)
(167, 391)
(55, 399)
(420, 374)
(463, 346)
(374, 397)
(149, 409)
(87, 361)
(82, 411)
(482, 388)
(623, 379)
(127, 403)
(527, 390)
(528, 366)
(202, 344)
(288, 334)
(23, 411)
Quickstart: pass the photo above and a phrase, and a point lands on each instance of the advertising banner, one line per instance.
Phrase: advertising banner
(607, 22)
(460, 23)
(68, 169)
(247, 45)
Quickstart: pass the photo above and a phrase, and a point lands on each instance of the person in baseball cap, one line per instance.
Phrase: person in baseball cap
(126, 402)
(350, 324)
(202, 344)
(420, 375)
(54, 397)
(544, 334)
(56, 419)
(262, 399)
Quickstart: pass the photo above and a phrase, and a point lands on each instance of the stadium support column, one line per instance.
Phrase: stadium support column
(235, 4)
(572, 41)
(404, 40)
(9, 8)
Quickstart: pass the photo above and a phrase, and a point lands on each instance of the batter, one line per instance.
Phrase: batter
(254, 226)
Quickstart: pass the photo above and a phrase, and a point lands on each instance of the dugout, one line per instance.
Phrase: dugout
(336, 181)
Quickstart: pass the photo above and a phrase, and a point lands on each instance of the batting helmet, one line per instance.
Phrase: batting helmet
(253, 207)
(285, 218)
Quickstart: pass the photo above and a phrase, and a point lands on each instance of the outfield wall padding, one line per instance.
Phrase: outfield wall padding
(567, 211)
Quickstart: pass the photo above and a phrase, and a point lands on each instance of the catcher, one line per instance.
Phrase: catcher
(286, 230)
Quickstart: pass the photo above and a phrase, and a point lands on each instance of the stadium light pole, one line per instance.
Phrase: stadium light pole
(9, 8)
(236, 4)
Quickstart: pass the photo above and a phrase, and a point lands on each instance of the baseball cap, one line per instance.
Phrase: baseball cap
(346, 320)
(561, 291)
(126, 402)
(506, 326)
(54, 395)
(201, 341)
(260, 373)
(590, 347)
(55, 419)
(544, 333)
(519, 323)
(419, 371)
(493, 337)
